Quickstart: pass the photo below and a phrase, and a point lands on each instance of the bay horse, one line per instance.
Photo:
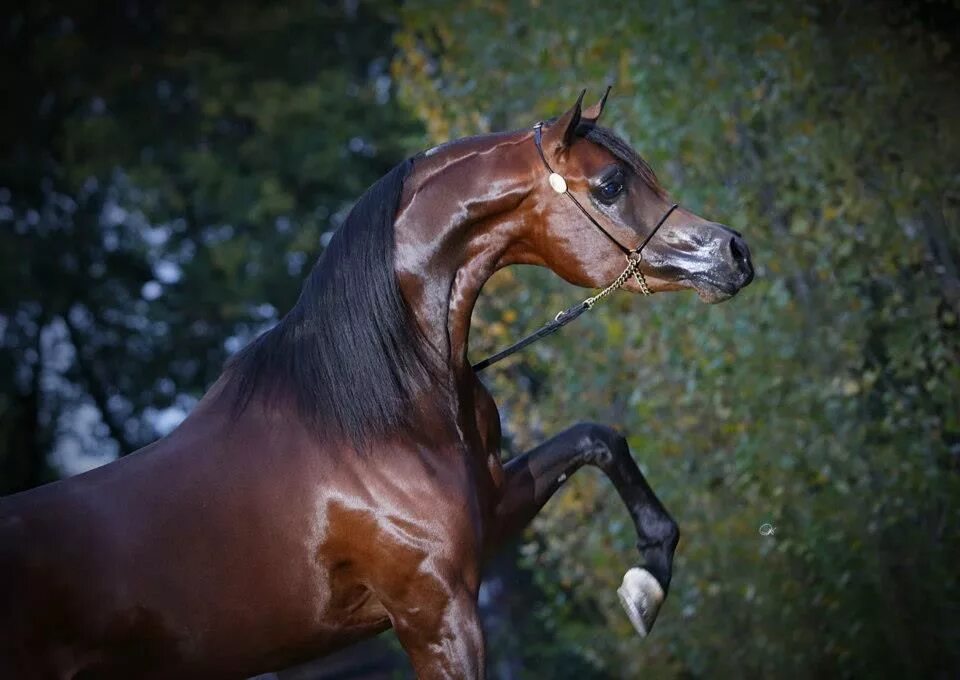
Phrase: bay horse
(343, 474)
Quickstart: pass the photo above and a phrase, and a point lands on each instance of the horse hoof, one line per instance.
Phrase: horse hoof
(641, 597)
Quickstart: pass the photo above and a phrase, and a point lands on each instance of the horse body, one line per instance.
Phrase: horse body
(281, 539)
(246, 540)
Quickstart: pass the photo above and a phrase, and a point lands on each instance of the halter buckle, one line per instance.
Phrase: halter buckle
(557, 183)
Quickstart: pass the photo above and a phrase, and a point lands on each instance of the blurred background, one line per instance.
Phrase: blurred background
(170, 170)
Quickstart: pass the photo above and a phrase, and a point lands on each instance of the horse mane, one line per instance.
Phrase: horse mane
(350, 352)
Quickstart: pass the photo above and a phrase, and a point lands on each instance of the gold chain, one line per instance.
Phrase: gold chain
(641, 281)
(633, 269)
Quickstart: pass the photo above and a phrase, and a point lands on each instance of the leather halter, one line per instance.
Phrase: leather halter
(560, 186)
(633, 256)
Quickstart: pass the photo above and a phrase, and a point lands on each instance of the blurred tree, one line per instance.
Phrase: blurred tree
(166, 169)
(824, 400)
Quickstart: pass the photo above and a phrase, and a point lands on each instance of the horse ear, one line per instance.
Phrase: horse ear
(592, 114)
(564, 129)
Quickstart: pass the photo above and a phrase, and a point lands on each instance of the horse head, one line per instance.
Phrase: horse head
(616, 204)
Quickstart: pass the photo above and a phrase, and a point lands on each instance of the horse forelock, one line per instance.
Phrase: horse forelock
(621, 149)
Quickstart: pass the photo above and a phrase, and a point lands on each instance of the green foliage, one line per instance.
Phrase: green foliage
(823, 400)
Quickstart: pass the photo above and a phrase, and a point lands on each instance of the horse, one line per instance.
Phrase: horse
(343, 473)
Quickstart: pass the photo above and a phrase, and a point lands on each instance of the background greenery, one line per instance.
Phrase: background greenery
(169, 170)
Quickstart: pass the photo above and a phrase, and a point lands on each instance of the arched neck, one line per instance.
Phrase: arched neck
(459, 221)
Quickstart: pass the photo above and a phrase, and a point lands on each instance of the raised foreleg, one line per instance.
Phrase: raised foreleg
(532, 478)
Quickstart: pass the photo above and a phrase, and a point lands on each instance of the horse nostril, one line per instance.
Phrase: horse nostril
(737, 250)
(741, 255)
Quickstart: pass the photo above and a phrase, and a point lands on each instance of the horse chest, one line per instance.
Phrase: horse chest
(485, 447)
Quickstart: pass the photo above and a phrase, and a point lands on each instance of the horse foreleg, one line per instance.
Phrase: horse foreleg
(438, 624)
(532, 478)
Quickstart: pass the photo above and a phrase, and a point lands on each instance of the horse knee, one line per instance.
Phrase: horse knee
(600, 443)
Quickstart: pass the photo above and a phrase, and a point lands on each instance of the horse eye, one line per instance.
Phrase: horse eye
(611, 189)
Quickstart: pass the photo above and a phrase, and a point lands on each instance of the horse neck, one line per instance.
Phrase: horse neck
(459, 216)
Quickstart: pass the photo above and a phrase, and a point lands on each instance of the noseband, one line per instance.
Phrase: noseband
(559, 184)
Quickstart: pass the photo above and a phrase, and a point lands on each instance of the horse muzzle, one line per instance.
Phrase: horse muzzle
(712, 259)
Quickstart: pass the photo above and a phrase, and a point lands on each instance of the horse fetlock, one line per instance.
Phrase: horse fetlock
(668, 534)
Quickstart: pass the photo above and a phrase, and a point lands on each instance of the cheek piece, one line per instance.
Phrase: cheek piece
(634, 255)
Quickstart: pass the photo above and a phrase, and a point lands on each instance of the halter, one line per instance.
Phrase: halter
(633, 256)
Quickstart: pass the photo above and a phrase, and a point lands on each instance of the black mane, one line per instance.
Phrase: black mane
(350, 352)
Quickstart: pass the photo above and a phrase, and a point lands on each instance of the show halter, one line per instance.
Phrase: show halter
(634, 256)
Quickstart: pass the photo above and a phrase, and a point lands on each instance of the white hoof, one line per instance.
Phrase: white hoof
(641, 597)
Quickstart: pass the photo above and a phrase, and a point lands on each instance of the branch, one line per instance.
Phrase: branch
(98, 392)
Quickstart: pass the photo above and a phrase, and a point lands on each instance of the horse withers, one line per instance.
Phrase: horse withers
(343, 475)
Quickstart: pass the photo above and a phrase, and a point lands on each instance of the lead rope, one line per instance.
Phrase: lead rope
(568, 315)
